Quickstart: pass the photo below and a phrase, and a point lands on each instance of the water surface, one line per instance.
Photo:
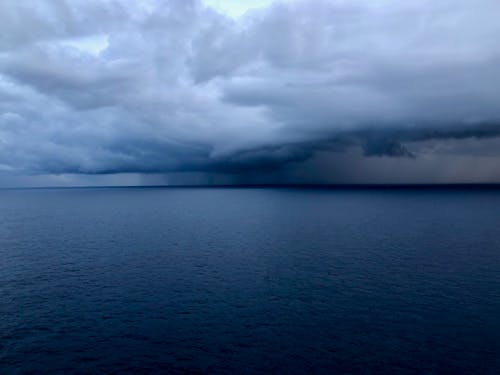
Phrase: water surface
(249, 281)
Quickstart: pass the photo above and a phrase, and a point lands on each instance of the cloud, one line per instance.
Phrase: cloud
(113, 86)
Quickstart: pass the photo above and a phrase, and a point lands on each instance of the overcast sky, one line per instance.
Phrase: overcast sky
(239, 91)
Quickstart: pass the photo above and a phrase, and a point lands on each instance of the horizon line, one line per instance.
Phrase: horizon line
(340, 186)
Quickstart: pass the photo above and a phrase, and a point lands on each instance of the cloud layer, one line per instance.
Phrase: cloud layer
(114, 86)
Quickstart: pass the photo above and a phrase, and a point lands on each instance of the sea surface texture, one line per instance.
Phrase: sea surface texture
(261, 280)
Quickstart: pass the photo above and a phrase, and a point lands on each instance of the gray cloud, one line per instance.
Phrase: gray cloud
(159, 87)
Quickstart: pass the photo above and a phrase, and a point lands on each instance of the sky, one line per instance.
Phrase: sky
(237, 8)
(154, 92)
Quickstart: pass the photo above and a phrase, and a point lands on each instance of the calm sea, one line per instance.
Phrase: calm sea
(220, 280)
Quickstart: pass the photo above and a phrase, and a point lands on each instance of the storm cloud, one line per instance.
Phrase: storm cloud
(296, 91)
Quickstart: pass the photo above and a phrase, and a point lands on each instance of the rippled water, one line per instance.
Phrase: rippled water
(249, 280)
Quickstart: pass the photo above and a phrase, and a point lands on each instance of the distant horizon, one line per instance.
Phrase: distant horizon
(339, 186)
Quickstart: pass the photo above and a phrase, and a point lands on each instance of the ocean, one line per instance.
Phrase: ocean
(250, 280)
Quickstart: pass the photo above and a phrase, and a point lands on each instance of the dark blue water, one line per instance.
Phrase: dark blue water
(249, 281)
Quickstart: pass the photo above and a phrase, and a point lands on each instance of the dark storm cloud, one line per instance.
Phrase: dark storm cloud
(390, 141)
(116, 86)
